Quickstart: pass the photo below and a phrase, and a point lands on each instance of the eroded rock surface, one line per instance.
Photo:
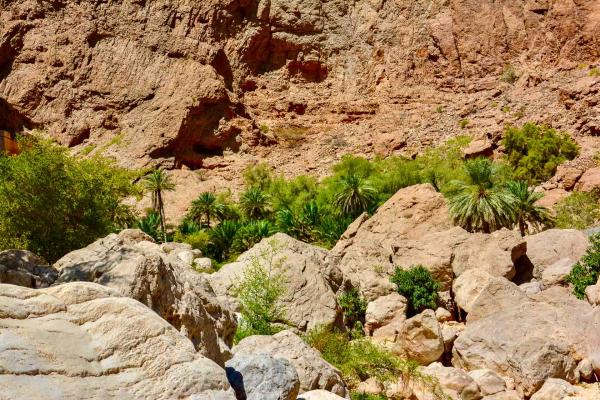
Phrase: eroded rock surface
(85, 341)
(23, 268)
(138, 268)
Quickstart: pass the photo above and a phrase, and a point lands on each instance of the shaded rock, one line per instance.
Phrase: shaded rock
(556, 273)
(532, 287)
(309, 300)
(138, 268)
(313, 372)
(95, 344)
(554, 389)
(443, 315)
(478, 148)
(548, 247)
(262, 377)
(383, 311)
(420, 339)
(528, 339)
(488, 381)
(455, 383)
(23, 268)
(450, 331)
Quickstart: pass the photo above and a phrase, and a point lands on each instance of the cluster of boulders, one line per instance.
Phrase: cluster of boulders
(126, 317)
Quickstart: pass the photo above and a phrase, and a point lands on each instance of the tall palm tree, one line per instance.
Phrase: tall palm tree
(480, 203)
(158, 182)
(255, 203)
(206, 206)
(355, 195)
(526, 212)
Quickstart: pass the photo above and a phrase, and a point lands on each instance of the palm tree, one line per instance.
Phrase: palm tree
(526, 212)
(255, 203)
(355, 195)
(222, 238)
(480, 203)
(206, 206)
(158, 182)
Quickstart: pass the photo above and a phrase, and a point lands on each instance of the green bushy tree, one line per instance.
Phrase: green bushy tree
(587, 270)
(259, 292)
(52, 203)
(354, 307)
(418, 286)
(534, 151)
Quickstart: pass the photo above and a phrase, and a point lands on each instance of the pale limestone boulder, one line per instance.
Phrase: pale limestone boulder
(528, 338)
(319, 395)
(383, 311)
(496, 294)
(23, 268)
(488, 381)
(85, 341)
(450, 331)
(554, 389)
(262, 377)
(314, 372)
(370, 386)
(454, 382)
(138, 268)
(532, 287)
(309, 300)
(592, 294)
(556, 273)
(420, 339)
(508, 395)
(548, 247)
(469, 285)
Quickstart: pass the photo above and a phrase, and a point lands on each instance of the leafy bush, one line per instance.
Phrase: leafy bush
(509, 75)
(150, 224)
(534, 151)
(366, 396)
(259, 291)
(361, 359)
(222, 238)
(587, 270)
(251, 233)
(354, 307)
(198, 240)
(52, 203)
(419, 288)
(580, 210)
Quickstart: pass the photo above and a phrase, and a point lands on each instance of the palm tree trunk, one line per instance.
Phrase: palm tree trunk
(208, 218)
(161, 214)
(522, 226)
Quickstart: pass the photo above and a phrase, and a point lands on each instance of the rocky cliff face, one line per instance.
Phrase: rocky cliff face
(220, 84)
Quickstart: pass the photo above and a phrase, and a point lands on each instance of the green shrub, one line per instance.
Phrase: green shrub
(509, 75)
(52, 203)
(222, 237)
(580, 210)
(366, 396)
(354, 307)
(150, 225)
(534, 151)
(361, 359)
(594, 72)
(259, 291)
(464, 123)
(587, 270)
(198, 240)
(419, 288)
(251, 233)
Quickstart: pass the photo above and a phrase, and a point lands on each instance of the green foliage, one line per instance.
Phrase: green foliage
(150, 224)
(580, 210)
(259, 176)
(204, 208)
(291, 135)
(255, 203)
(366, 396)
(259, 291)
(594, 72)
(439, 109)
(526, 213)
(251, 233)
(354, 307)
(464, 123)
(509, 75)
(222, 238)
(52, 203)
(587, 270)
(198, 240)
(534, 151)
(419, 288)
(355, 195)
(480, 202)
(361, 359)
